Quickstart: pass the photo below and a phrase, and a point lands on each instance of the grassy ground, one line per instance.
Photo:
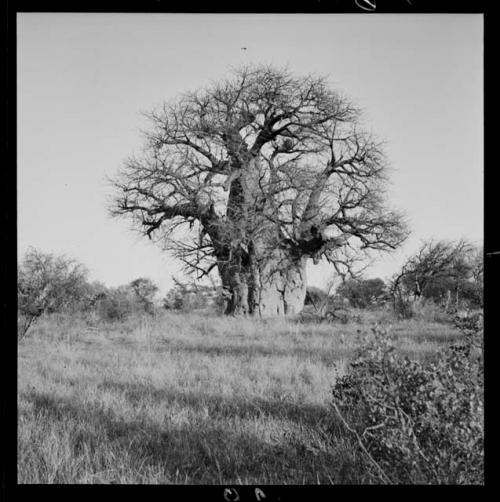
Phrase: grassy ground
(192, 398)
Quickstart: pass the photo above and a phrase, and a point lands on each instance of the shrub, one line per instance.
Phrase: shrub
(417, 422)
(403, 306)
(116, 304)
(363, 293)
(144, 291)
(191, 296)
(315, 297)
(429, 311)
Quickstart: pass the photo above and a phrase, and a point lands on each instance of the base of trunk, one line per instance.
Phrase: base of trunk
(267, 293)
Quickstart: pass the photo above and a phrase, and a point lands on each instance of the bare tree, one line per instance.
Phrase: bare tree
(435, 267)
(253, 176)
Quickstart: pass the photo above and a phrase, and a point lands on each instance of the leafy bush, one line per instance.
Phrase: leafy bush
(144, 291)
(116, 304)
(174, 300)
(315, 296)
(363, 293)
(417, 422)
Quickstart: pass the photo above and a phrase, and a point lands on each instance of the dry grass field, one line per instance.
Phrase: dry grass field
(192, 399)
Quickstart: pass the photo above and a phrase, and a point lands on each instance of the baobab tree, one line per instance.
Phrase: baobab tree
(254, 175)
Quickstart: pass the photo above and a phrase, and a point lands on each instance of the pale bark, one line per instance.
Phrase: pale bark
(286, 293)
(278, 289)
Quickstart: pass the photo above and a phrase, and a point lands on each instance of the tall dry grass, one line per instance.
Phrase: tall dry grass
(191, 398)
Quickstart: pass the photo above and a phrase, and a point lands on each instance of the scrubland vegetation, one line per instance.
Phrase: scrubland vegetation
(357, 389)
(196, 398)
(246, 181)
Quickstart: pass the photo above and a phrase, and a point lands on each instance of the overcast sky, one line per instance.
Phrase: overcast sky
(83, 79)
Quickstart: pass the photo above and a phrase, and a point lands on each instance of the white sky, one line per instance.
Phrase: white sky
(83, 80)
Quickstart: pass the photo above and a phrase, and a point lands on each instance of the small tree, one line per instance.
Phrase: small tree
(442, 270)
(145, 291)
(47, 283)
(174, 299)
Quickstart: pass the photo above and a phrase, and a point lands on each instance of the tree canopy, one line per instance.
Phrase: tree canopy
(258, 169)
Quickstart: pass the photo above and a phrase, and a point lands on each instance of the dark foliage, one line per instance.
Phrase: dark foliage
(417, 423)
(363, 293)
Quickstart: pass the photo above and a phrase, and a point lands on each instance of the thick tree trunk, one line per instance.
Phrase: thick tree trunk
(286, 292)
(261, 277)
(275, 288)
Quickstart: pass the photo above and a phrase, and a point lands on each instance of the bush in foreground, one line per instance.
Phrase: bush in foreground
(417, 423)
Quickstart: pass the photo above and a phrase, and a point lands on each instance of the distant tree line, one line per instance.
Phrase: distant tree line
(49, 284)
(447, 274)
